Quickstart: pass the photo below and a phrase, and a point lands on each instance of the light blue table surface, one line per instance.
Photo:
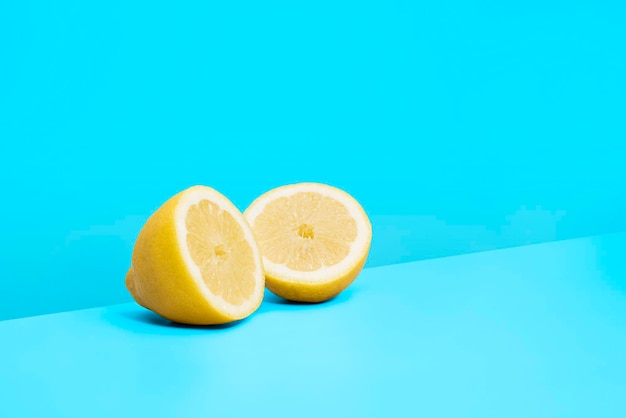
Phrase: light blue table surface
(534, 331)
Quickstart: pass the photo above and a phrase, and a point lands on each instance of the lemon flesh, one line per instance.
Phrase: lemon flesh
(314, 240)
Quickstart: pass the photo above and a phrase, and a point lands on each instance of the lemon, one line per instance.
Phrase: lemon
(130, 285)
(314, 240)
(195, 261)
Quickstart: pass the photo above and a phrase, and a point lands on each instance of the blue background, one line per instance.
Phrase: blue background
(460, 125)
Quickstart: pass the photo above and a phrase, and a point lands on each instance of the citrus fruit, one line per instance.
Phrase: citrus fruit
(130, 285)
(314, 240)
(195, 261)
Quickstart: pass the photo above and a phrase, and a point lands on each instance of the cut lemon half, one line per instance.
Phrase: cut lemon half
(195, 261)
(314, 240)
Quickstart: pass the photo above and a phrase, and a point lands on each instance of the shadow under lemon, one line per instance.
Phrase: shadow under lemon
(271, 303)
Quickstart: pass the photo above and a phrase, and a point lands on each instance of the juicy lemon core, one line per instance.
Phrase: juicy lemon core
(218, 247)
(314, 240)
(305, 232)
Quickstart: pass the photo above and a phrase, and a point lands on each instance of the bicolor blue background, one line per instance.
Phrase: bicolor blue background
(460, 126)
